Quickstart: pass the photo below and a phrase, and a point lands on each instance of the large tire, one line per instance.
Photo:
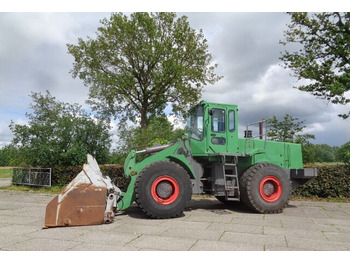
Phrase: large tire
(265, 188)
(163, 190)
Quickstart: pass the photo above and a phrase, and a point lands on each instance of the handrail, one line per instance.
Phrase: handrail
(262, 125)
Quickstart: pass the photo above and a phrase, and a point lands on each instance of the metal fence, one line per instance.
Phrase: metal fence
(31, 176)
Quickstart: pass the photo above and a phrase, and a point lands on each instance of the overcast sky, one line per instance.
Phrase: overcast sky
(33, 57)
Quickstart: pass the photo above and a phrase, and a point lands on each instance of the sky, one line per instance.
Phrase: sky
(244, 44)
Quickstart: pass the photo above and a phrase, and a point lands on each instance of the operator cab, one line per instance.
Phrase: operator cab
(212, 128)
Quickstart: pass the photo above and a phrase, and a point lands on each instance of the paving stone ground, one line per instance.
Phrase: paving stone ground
(5, 182)
(207, 225)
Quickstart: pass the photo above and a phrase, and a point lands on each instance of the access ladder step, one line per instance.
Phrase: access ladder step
(231, 179)
(229, 187)
(232, 198)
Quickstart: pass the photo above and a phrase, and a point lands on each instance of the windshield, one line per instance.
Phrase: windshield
(195, 123)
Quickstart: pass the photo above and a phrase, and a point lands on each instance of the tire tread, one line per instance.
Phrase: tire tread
(248, 188)
(143, 206)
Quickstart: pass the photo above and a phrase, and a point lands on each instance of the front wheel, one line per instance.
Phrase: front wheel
(163, 189)
(265, 188)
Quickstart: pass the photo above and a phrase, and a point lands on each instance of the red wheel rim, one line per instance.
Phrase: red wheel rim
(165, 190)
(270, 189)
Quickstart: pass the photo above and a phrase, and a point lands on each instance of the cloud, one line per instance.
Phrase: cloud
(176, 122)
(33, 57)
(244, 44)
(34, 54)
(273, 94)
(5, 132)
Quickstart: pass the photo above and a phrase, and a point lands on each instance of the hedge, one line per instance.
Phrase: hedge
(332, 181)
(61, 176)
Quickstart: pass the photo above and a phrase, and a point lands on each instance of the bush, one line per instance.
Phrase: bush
(58, 133)
(62, 176)
(331, 182)
(116, 174)
(344, 153)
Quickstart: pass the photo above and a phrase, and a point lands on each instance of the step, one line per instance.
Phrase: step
(228, 187)
(230, 175)
(230, 164)
(232, 198)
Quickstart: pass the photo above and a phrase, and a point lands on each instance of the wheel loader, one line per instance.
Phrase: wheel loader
(210, 159)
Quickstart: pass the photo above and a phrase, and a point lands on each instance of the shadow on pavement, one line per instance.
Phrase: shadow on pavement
(218, 207)
(209, 205)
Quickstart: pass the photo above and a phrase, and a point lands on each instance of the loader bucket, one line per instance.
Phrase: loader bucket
(89, 199)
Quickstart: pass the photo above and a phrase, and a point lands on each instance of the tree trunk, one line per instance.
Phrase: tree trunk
(144, 122)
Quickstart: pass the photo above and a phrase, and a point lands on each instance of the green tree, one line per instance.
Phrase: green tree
(324, 153)
(323, 54)
(138, 65)
(309, 154)
(344, 153)
(287, 130)
(335, 150)
(11, 155)
(159, 131)
(59, 133)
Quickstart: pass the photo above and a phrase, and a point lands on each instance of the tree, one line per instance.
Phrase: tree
(59, 133)
(138, 65)
(159, 131)
(325, 153)
(309, 154)
(324, 55)
(287, 130)
(344, 153)
(10, 155)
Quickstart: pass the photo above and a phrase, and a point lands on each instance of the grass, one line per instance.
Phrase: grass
(6, 172)
(324, 164)
(319, 199)
(53, 189)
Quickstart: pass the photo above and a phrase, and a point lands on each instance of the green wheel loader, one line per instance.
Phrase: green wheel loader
(209, 159)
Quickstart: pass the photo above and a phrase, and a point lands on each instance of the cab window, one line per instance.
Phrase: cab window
(218, 120)
(231, 120)
(195, 124)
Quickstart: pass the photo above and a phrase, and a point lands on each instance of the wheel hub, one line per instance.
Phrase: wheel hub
(165, 190)
(270, 188)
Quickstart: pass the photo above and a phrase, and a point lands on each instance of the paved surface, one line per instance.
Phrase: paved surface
(207, 225)
(5, 182)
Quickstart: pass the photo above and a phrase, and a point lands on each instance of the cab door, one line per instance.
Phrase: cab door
(217, 135)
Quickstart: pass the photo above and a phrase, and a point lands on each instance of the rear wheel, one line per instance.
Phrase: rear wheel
(265, 188)
(163, 189)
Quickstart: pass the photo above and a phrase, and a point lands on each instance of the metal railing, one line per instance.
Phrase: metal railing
(262, 133)
(31, 176)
